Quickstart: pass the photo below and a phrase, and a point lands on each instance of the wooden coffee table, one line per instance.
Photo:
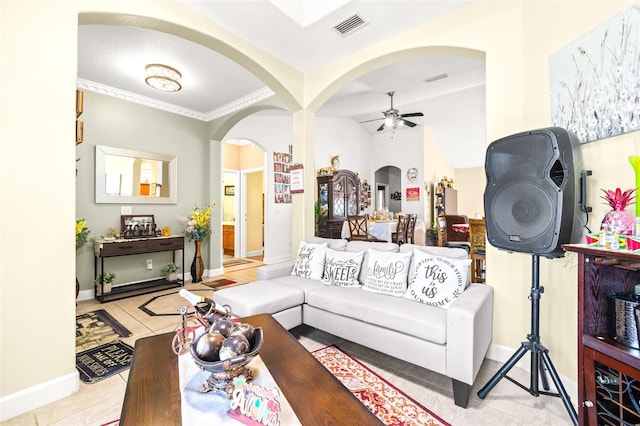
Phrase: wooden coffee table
(153, 392)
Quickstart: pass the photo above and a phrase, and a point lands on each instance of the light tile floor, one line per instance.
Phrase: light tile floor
(506, 404)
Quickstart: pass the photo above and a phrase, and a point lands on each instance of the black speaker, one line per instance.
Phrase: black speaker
(533, 190)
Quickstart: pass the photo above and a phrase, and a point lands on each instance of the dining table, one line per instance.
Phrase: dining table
(380, 229)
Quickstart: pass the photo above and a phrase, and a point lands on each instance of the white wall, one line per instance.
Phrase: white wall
(470, 184)
(346, 138)
(404, 150)
(273, 133)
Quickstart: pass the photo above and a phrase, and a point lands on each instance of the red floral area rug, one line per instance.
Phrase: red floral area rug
(388, 403)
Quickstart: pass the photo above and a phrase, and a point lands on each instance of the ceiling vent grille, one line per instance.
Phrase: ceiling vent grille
(349, 25)
(436, 78)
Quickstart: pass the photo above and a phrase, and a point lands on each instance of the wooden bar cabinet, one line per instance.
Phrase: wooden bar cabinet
(608, 371)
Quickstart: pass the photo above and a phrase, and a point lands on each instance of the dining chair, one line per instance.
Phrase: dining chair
(359, 229)
(452, 233)
(411, 227)
(400, 236)
(443, 240)
(477, 238)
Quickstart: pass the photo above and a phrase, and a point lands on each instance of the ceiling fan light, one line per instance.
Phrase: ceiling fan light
(163, 77)
(388, 122)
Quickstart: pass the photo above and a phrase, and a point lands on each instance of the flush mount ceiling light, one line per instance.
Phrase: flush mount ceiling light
(163, 77)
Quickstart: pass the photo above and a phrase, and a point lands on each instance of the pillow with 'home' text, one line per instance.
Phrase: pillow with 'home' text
(387, 272)
(341, 268)
(437, 280)
(310, 261)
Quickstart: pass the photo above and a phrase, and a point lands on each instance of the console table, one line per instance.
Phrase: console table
(107, 249)
(608, 371)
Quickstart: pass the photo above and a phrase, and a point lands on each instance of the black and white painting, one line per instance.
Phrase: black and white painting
(595, 80)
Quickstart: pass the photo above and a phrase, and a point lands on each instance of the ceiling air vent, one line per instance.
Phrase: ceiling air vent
(436, 78)
(349, 25)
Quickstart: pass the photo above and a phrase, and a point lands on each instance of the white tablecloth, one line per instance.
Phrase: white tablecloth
(381, 230)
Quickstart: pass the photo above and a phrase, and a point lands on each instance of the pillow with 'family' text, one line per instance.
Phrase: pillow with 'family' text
(342, 268)
(387, 272)
(437, 280)
(310, 261)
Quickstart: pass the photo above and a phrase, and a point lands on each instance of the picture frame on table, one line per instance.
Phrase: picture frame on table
(137, 226)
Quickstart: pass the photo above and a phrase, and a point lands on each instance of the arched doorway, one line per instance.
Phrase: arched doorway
(388, 186)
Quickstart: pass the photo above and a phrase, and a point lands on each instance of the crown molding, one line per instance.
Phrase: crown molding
(229, 108)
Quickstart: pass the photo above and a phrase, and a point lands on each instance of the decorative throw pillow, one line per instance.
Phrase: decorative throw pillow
(437, 280)
(310, 261)
(341, 268)
(387, 272)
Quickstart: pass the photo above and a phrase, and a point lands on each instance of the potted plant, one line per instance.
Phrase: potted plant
(108, 279)
(432, 236)
(171, 271)
(320, 217)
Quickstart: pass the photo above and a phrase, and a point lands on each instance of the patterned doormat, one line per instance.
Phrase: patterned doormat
(104, 361)
(235, 262)
(99, 351)
(96, 328)
(218, 283)
(388, 403)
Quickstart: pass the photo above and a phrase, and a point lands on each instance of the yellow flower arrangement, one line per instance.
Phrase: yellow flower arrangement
(82, 233)
(199, 223)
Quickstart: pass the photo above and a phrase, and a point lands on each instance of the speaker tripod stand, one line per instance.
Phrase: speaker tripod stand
(539, 354)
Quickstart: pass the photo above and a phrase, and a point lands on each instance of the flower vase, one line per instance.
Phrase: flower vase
(635, 163)
(197, 266)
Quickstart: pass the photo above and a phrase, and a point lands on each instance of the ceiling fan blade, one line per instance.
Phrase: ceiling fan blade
(412, 114)
(407, 122)
(382, 126)
(375, 119)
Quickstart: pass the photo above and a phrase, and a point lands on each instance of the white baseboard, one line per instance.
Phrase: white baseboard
(85, 295)
(209, 273)
(42, 394)
(503, 354)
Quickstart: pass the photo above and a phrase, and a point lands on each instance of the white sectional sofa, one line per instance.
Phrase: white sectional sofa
(452, 341)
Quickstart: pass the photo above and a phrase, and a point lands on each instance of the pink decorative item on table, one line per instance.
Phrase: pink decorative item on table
(618, 217)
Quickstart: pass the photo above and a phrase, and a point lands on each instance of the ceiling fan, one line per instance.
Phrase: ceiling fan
(393, 119)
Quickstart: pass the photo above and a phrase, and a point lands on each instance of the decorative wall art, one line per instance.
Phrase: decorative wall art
(595, 81)
(282, 176)
(412, 175)
(297, 179)
(413, 194)
(365, 195)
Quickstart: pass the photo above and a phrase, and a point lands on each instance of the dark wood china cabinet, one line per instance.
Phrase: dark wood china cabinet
(339, 196)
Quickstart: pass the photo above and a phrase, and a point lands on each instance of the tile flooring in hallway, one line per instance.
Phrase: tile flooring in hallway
(506, 404)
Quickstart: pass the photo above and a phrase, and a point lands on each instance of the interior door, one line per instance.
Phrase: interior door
(250, 236)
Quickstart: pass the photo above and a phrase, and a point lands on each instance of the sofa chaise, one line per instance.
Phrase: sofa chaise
(451, 341)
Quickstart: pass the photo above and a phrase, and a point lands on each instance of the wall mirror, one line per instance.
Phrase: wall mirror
(125, 176)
